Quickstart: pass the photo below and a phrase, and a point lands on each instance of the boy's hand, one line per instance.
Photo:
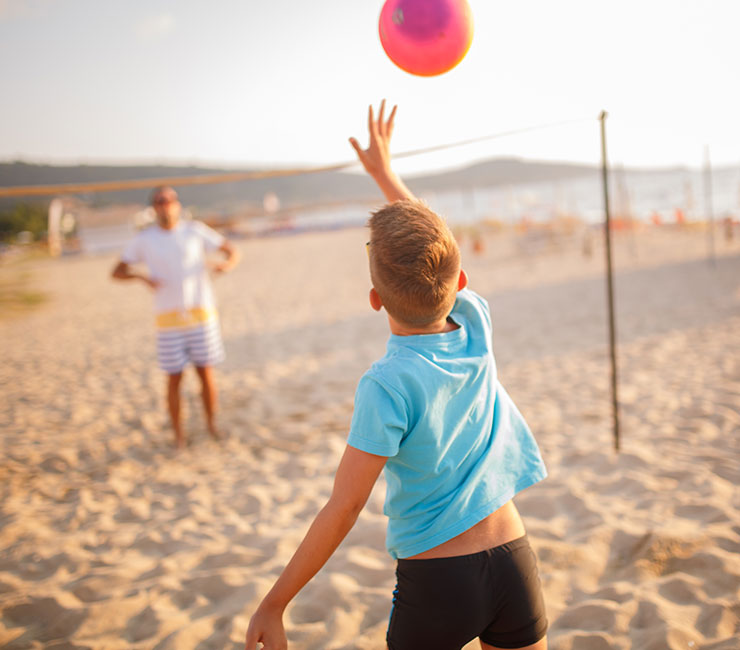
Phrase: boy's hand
(266, 627)
(376, 159)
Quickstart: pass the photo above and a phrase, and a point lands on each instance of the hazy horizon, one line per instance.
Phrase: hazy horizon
(356, 169)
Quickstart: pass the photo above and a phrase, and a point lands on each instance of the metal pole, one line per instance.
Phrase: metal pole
(54, 228)
(609, 282)
(708, 207)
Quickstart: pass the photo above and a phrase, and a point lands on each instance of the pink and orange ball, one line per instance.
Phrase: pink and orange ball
(426, 37)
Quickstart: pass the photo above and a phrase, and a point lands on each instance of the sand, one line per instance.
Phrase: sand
(111, 539)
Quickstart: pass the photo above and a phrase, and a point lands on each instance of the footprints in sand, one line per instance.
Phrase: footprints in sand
(43, 619)
(94, 588)
(642, 549)
(339, 611)
(111, 540)
(143, 625)
(592, 616)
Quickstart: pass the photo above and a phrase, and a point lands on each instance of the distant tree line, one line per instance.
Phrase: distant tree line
(31, 217)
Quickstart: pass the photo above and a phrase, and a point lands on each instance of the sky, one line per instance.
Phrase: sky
(275, 83)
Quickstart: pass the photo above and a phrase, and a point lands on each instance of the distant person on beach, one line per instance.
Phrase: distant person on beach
(174, 252)
(454, 447)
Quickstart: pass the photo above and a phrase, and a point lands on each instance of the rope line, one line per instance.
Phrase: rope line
(209, 179)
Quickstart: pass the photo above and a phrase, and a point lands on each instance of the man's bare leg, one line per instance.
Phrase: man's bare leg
(210, 398)
(173, 403)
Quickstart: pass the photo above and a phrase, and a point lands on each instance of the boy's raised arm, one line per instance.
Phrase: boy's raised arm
(376, 159)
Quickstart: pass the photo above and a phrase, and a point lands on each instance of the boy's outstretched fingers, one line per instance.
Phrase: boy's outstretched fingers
(384, 127)
(376, 158)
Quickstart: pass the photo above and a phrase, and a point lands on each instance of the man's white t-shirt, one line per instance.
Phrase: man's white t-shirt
(176, 259)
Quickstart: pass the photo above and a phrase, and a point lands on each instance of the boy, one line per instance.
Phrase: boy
(454, 448)
(187, 324)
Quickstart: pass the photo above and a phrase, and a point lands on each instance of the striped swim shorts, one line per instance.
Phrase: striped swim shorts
(200, 345)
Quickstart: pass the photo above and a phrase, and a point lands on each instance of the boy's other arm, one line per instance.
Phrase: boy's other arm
(122, 271)
(354, 480)
(376, 159)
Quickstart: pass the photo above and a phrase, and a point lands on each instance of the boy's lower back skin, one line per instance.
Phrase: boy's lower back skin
(453, 445)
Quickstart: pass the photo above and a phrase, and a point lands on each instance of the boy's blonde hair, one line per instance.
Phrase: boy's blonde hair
(414, 262)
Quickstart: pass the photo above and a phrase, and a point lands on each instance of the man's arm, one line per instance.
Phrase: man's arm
(122, 271)
(230, 261)
(354, 480)
(376, 159)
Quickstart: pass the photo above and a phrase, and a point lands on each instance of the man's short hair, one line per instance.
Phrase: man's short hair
(160, 189)
(414, 262)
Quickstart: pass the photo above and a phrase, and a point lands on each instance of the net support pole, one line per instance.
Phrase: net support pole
(54, 228)
(708, 206)
(609, 282)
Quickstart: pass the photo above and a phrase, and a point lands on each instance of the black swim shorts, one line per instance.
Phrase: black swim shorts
(443, 603)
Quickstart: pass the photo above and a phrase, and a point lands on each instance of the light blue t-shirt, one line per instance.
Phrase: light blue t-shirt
(458, 448)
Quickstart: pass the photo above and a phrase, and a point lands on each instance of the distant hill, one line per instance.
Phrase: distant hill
(302, 189)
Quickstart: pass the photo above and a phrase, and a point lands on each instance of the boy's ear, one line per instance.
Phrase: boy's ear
(462, 281)
(375, 302)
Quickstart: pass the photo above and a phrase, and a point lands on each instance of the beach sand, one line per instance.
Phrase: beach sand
(111, 539)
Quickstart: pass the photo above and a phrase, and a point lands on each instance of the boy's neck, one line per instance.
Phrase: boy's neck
(438, 327)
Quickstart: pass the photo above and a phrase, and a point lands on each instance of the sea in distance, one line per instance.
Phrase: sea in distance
(650, 197)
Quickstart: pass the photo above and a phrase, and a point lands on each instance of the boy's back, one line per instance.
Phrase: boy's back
(434, 407)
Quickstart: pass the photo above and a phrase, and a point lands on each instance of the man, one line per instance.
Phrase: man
(174, 251)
